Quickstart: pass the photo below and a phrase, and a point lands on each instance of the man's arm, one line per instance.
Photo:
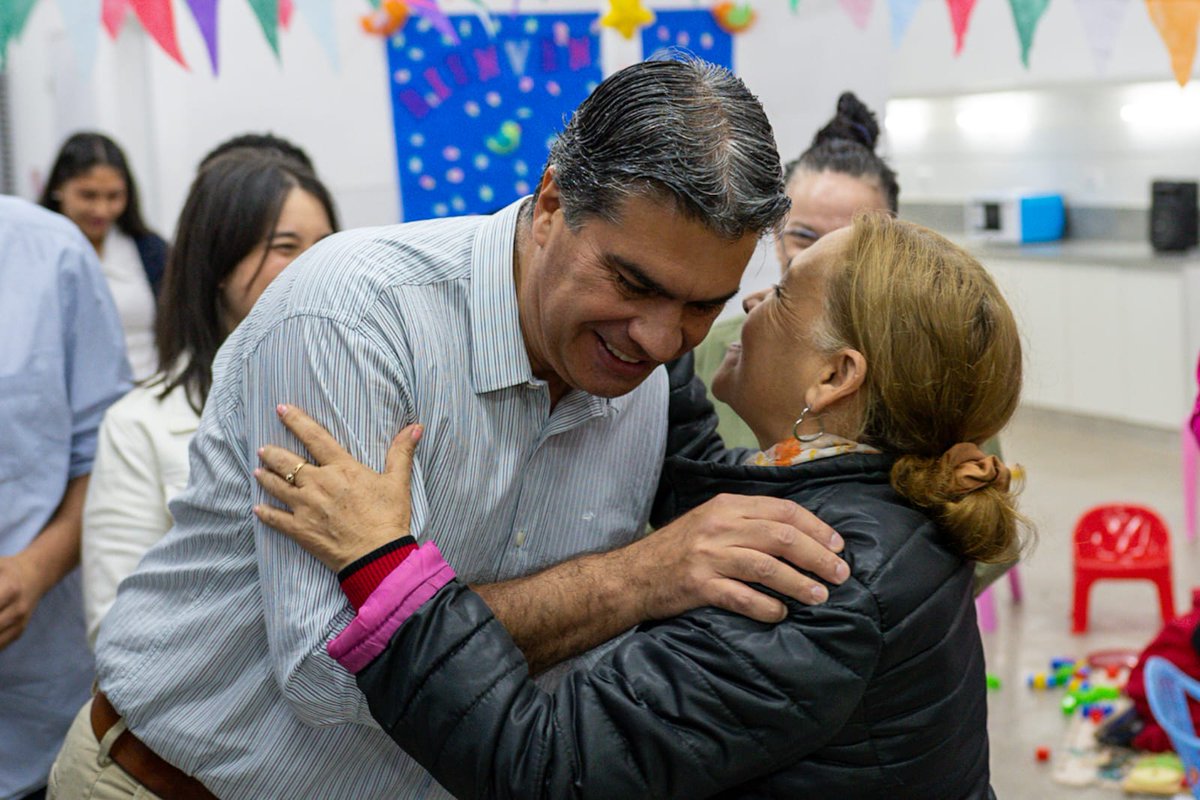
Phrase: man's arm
(706, 557)
(27, 576)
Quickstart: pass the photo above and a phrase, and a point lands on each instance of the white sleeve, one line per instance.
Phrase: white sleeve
(124, 514)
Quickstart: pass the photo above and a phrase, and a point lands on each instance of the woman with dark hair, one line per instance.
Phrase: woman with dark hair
(91, 185)
(248, 215)
(838, 176)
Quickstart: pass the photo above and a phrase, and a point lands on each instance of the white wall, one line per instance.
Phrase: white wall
(1069, 133)
(167, 118)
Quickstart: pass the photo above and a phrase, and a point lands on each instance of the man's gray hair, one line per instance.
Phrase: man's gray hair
(684, 130)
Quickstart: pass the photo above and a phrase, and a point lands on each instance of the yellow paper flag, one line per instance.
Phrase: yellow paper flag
(1177, 22)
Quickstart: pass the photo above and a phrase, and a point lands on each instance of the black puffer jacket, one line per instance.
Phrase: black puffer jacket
(878, 693)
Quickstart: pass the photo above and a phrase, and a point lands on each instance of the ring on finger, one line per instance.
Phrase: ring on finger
(291, 476)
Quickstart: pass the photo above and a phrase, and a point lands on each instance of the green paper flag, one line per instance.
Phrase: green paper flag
(795, 5)
(1027, 14)
(267, 12)
(13, 16)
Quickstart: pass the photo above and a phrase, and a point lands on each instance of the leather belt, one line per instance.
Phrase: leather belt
(146, 766)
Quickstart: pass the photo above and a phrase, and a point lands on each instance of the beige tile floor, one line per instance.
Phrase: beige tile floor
(1072, 464)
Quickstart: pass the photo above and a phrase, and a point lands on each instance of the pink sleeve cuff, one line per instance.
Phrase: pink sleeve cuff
(397, 598)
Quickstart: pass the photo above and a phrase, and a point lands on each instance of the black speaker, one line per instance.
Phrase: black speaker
(1173, 215)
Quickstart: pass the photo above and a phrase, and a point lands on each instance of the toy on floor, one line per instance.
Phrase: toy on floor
(1157, 774)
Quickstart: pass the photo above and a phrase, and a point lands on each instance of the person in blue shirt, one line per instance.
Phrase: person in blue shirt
(61, 365)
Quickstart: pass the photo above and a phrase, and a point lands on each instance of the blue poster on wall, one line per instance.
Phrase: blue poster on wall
(693, 31)
(474, 119)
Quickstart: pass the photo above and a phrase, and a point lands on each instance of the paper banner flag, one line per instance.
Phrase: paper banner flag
(1027, 14)
(112, 14)
(859, 11)
(82, 18)
(430, 11)
(319, 14)
(13, 16)
(205, 14)
(1101, 22)
(960, 18)
(795, 4)
(285, 14)
(902, 13)
(1177, 21)
(267, 12)
(158, 19)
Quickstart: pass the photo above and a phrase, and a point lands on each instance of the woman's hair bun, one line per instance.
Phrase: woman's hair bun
(853, 121)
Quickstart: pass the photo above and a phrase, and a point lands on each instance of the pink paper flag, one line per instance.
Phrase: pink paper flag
(158, 19)
(205, 14)
(1101, 23)
(112, 14)
(285, 14)
(1177, 22)
(859, 11)
(960, 18)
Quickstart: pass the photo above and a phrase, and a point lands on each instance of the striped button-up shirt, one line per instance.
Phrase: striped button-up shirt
(215, 649)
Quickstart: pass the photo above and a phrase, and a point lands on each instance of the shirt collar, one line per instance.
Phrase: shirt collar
(498, 355)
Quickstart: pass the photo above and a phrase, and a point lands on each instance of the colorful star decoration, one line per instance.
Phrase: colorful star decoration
(627, 16)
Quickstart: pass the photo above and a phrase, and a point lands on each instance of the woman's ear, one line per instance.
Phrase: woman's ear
(841, 378)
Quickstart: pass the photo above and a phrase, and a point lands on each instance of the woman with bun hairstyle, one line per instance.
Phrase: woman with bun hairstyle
(838, 176)
(870, 375)
(91, 185)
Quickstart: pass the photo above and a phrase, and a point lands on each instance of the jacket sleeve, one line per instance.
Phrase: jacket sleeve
(691, 433)
(687, 708)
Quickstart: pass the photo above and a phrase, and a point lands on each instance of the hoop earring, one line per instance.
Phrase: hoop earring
(807, 437)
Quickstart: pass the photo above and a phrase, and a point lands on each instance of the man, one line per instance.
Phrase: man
(529, 345)
(62, 364)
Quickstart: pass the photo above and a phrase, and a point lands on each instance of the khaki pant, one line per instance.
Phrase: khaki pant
(83, 770)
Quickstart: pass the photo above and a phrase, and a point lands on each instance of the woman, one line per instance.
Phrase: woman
(248, 215)
(90, 184)
(838, 176)
(869, 376)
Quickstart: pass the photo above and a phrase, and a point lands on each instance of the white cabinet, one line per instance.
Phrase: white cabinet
(1104, 340)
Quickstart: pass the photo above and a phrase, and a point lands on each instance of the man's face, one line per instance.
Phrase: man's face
(603, 305)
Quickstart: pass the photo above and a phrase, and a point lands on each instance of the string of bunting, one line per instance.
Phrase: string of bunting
(1177, 22)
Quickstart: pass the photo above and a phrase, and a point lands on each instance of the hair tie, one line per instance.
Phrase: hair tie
(973, 470)
(862, 129)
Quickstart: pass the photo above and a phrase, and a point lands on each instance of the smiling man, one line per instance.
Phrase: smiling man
(529, 344)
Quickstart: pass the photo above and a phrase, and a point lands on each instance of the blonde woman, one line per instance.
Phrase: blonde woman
(869, 375)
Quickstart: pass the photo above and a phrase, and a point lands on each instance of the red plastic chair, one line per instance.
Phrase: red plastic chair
(1121, 542)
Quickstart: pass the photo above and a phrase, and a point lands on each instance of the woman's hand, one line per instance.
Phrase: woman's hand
(340, 509)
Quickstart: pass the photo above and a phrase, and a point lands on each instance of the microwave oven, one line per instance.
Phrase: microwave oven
(1017, 218)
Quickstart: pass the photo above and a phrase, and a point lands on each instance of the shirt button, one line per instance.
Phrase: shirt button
(520, 538)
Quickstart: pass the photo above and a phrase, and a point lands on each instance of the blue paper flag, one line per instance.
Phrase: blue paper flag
(319, 15)
(901, 12)
(82, 18)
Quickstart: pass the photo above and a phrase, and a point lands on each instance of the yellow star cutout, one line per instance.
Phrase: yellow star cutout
(627, 16)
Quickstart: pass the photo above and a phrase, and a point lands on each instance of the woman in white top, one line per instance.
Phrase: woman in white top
(91, 184)
(248, 215)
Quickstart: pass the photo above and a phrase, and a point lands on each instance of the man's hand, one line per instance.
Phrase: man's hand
(50, 557)
(707, 557)
(19, 596)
